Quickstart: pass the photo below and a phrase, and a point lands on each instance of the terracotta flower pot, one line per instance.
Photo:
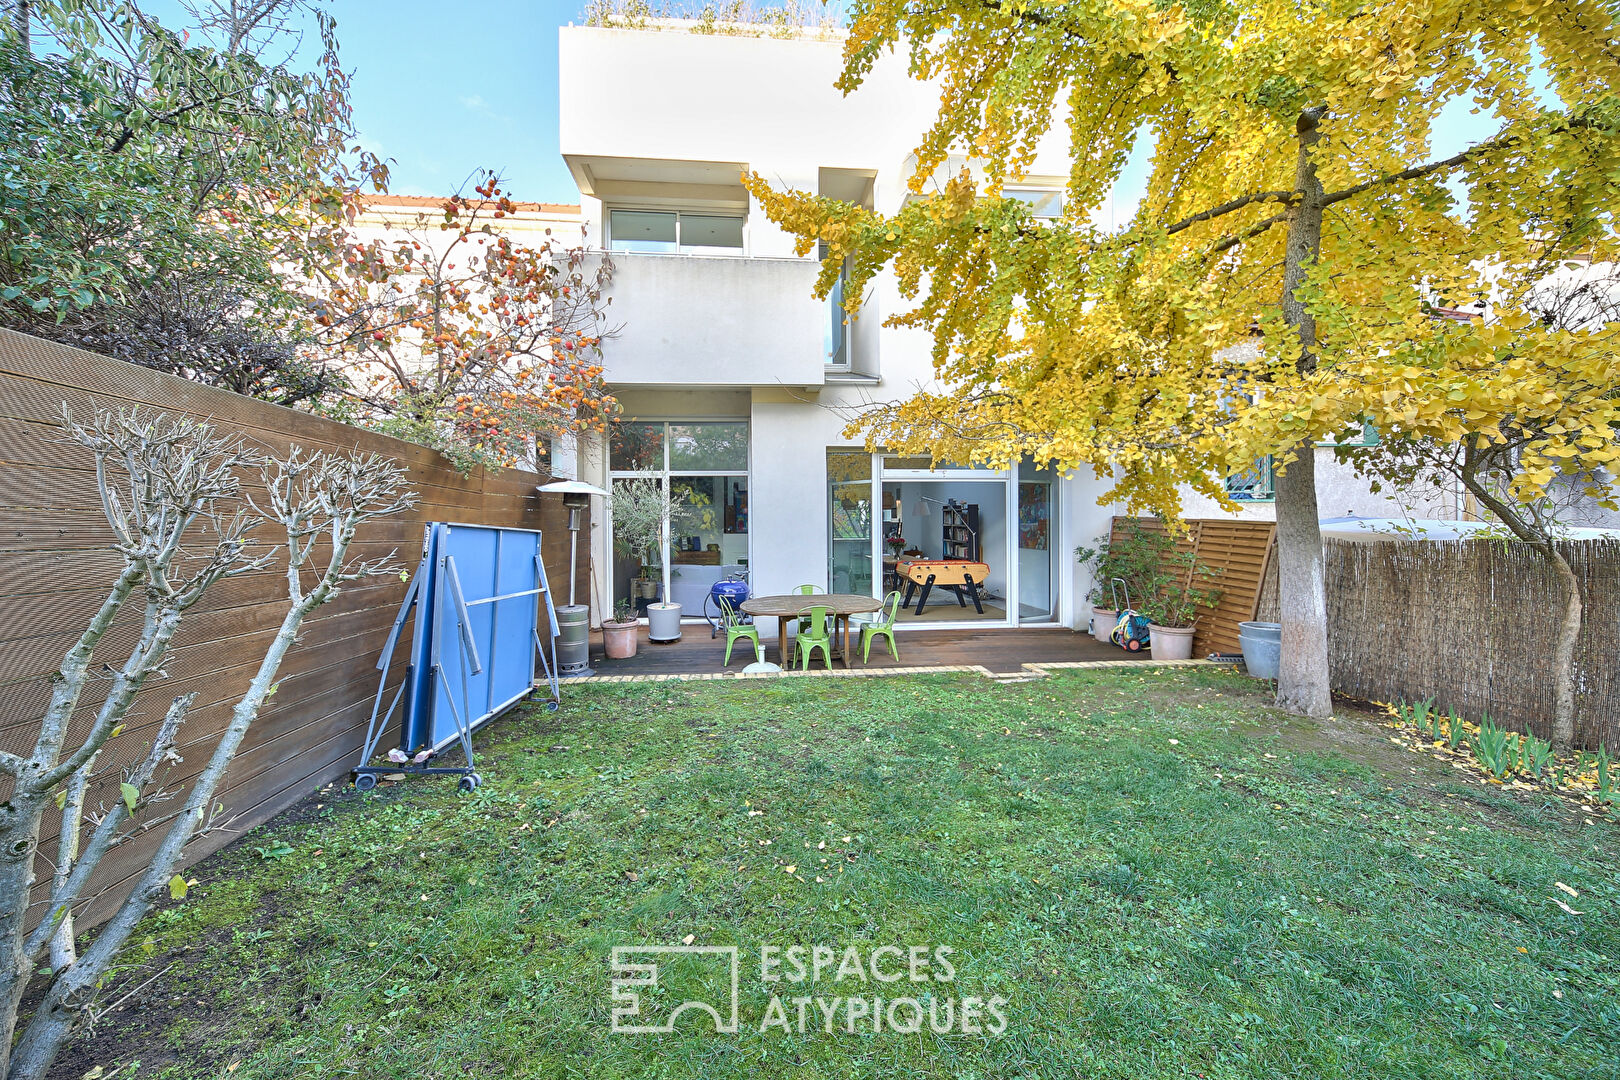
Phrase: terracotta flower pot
(619, 639)
(1171, 642)
(1102, 624)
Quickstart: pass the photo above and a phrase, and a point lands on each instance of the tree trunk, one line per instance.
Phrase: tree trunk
(1569, 632)
(73, 989)
(1302, 676)
(1541, 537)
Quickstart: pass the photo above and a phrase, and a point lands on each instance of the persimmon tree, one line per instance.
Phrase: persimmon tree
(454, 334)
(1292, 192)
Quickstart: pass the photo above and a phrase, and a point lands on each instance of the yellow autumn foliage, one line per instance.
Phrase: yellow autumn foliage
(1159, 350)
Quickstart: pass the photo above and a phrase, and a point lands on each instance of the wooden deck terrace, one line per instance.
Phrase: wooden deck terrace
(1002, 651)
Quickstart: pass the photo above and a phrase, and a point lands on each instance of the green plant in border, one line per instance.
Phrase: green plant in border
(1425, 717)
(1536, 755)
(1135, 558)
(1605, 788)
(1492, 749)
(1454, 729)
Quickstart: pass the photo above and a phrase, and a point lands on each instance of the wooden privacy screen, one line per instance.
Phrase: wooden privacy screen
(56, 566)
(1241, 550)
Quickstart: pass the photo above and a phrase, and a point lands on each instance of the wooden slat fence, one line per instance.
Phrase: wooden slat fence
(55, 567)
(1241, 551)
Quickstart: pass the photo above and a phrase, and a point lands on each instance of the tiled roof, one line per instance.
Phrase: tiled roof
(383, 202)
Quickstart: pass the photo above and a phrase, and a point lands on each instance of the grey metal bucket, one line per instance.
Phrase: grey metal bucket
(573, 641)
(1262, 648)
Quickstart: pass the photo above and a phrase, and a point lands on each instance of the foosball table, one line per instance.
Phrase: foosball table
(960, 576)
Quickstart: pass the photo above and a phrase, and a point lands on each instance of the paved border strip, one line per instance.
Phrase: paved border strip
(1028, 672)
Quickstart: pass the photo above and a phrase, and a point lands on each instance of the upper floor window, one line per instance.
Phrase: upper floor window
(675, 231)
(1259, 484)
(835, 336)
(1042, 203)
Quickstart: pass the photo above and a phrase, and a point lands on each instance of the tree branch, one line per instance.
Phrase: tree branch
(1235, 204)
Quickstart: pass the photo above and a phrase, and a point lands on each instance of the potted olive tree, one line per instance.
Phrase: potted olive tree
(1179, 590)
(642, 513)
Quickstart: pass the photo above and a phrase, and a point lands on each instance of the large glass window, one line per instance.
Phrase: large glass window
(636, 447)
(702, 447)
(835, 336)
(1042, 203)
(711, 232)
(670, 231)
(704, 467)
(1037, 542)
(643, 230)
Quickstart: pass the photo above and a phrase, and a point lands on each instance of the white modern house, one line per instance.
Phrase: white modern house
(735, 382)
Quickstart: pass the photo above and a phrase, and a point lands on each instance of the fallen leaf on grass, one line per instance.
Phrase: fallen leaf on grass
(1566, 888)
(1566, 907)
(789, 869)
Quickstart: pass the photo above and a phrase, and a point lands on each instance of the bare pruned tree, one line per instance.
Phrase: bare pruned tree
(162, 482)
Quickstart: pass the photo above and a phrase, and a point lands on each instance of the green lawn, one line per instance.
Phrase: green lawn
(1159, 874)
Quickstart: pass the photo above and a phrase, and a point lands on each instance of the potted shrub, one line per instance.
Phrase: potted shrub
(619, 633)
(1135, 559)
(642, 513)
(1172, 610)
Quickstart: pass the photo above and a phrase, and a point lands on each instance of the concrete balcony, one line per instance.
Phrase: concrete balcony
(694, 320)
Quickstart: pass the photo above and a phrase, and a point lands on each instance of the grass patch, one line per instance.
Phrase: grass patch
(1158, 874)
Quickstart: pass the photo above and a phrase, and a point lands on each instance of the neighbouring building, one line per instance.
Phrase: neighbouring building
(736, 382)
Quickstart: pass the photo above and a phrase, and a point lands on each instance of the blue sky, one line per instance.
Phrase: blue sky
(448, 88)
(444, 89)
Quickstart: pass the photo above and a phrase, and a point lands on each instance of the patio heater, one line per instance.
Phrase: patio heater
(573, 620)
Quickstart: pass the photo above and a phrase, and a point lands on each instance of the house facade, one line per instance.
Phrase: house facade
(737, 384)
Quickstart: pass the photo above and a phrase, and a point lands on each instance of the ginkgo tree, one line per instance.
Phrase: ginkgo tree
(1531, 457)
(1293, 193)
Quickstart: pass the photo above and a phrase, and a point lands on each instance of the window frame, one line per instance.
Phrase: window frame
(1265, 471)
(1018, 191)
(680, 247)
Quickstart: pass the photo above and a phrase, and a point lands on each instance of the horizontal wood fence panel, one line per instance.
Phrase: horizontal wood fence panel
(56, 566)
(1240, 551)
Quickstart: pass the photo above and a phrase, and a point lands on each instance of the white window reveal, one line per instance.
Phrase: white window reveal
(674, 231)
(1043, 203)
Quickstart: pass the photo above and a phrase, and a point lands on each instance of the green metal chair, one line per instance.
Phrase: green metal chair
(884, 627)
(806, 590)
(732, 623)
(814, 637)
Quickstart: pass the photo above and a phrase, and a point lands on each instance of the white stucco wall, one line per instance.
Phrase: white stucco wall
(668, 120)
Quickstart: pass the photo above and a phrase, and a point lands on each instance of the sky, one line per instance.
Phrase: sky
(444, 89)
(447, 88)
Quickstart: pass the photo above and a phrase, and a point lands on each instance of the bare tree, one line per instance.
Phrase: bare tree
(158, 478)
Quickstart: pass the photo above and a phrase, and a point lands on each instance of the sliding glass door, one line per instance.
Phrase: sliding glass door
(703, 466)
(988, 536)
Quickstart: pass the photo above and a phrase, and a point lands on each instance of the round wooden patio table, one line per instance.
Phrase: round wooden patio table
(785, 609)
